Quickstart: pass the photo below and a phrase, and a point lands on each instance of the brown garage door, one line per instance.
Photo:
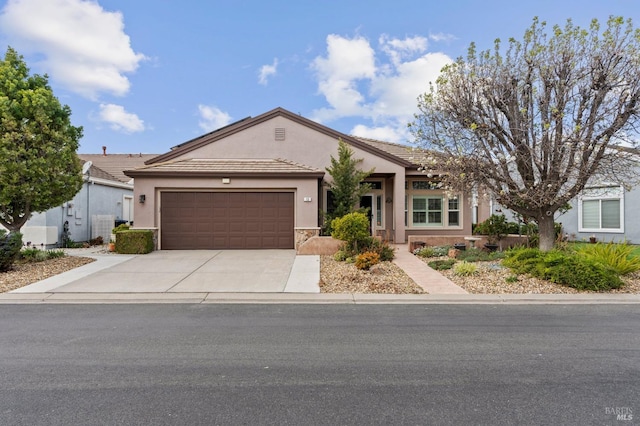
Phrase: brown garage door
(226, 220)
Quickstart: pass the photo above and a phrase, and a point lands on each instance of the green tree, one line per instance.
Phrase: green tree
(39, 168)
(347, 181)
(533, 124)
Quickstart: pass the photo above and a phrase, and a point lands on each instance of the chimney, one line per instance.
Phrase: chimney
(104, 151)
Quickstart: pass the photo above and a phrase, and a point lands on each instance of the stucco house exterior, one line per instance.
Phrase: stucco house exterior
(261, 183)
(106, 196)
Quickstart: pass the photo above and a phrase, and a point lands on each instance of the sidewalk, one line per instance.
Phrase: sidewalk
(440, 289)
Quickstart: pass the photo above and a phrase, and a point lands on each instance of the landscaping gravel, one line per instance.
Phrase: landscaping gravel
(385, 278)
(28, 273)
(492, 278)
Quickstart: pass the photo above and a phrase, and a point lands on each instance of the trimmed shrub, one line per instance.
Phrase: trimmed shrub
(617, 256)
(465, 269)
(134, 241)
(353, 229)
(366, 260)
(10, 245)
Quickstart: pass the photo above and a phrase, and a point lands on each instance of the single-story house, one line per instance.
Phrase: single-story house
(106, 196)
(261, 182)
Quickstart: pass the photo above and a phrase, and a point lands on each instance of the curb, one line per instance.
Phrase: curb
(323, 298)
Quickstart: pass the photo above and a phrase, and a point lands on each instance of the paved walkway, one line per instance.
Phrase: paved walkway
(430, 280)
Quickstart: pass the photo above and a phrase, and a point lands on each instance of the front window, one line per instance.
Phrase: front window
(427, 211)
(427, 205)
(601, 210)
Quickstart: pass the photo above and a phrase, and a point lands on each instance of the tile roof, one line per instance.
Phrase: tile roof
(405, 152)
(231, 166)
(112, 166)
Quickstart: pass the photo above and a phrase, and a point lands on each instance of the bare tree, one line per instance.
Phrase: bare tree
(532, 124)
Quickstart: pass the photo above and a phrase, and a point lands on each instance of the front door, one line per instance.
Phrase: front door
(366, 202)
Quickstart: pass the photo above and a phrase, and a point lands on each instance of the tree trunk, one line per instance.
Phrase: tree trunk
(547, 232)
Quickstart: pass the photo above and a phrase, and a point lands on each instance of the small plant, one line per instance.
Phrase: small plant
(366, 260)
(440, 250)
(617, 256)
(340, 256)
(384, 250)
(512, 279)
(424, 252)
(465, 269)
(32, 255)
(97, 241)
(441, 265)
(495, 228)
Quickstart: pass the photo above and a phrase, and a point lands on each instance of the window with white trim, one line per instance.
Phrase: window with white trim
(427, 211)
(426, 205)
(601, 209)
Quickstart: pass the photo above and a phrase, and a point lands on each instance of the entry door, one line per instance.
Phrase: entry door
(127, 208)
(366, 202)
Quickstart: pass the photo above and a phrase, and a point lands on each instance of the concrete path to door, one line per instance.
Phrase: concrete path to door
(191, 271)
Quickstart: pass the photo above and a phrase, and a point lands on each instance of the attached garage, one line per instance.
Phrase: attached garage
(227, 220)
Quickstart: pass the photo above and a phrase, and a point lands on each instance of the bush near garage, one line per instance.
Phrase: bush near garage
(134, 241)
(10, 245)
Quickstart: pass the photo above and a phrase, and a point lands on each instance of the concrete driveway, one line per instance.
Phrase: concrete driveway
(192, 271)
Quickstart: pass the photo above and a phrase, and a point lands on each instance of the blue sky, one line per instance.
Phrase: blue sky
(143, 76)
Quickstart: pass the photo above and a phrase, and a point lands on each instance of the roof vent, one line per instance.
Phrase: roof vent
(280, 135)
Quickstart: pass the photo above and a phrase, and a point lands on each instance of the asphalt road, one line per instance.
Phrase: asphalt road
(319, 364)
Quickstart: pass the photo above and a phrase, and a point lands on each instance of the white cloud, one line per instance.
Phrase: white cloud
(267, 71)
(383, 133)
(379, 86)
(212, 118)
(441, 37)
(85, 47)
(347, 62)
(119, 119)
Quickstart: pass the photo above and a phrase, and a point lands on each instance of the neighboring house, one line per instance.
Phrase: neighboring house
(603, 210)
(106, 196)
(261, 183)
